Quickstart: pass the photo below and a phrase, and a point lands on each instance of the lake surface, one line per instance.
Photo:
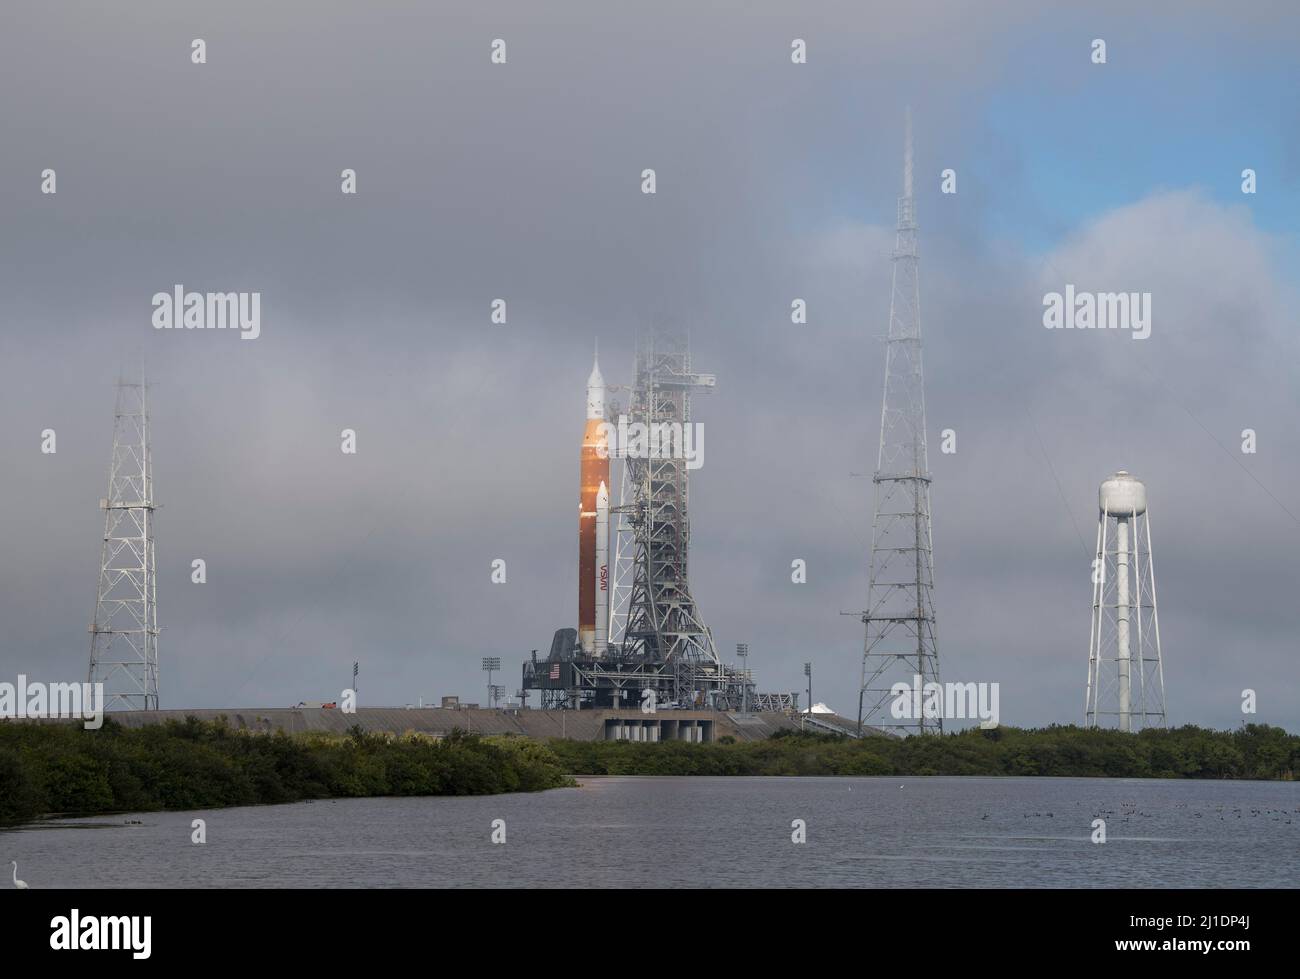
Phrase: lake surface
(701, 832)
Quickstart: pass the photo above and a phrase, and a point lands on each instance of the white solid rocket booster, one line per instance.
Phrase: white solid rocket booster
(602, 569)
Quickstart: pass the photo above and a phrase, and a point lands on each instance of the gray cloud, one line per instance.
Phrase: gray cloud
(522, 182)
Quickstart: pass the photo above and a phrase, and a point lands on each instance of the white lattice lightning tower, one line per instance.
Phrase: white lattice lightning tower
(124, 633)
(900, 642)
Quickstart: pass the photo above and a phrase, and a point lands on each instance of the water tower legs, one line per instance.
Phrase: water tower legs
(1122, 653)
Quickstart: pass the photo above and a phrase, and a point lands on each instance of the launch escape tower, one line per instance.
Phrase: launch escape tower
(1124, 603)
(124, 632)
(900, 641)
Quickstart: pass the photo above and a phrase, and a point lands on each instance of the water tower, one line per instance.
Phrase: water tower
(1126, 679)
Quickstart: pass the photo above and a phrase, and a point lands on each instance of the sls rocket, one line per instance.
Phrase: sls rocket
(593, 523)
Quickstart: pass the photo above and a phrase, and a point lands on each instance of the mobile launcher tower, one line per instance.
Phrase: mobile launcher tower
(639, 629)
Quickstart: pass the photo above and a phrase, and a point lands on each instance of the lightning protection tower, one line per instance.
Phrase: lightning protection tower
(900, 639)
(1126, 678)
(124, 634)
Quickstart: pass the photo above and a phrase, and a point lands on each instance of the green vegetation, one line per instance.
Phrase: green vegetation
(1256, 751)
(48, 769)
(63, 769)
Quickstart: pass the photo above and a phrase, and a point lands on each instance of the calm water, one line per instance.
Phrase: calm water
(696, 832)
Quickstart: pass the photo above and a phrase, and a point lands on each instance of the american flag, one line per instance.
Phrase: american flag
(555, 671)
(354, 670)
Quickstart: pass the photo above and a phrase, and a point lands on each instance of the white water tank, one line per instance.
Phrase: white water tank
(1123, 496)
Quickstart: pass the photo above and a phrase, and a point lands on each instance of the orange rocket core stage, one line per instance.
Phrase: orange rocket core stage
(593, 544)
(594, 471)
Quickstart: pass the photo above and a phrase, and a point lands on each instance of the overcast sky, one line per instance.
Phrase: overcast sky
(522, 181)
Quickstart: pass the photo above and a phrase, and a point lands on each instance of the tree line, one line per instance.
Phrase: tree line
(1255, 751)
(63, 769)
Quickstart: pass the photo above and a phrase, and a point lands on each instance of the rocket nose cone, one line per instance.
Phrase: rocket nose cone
(602, 495)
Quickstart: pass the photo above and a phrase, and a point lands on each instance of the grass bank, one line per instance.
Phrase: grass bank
(48, 769)
(1255, 751)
